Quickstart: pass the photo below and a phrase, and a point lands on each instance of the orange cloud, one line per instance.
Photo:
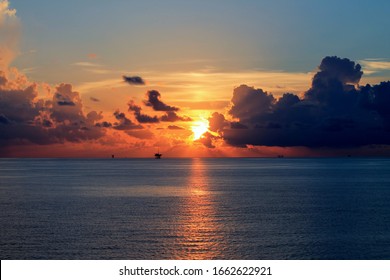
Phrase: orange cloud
(9, 34)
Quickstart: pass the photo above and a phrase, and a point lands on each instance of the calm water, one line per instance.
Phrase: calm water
(195, 209)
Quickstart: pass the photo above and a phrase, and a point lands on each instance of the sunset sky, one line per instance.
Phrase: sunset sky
(194, 78)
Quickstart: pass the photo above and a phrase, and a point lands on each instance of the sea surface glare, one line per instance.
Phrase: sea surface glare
(328, 208)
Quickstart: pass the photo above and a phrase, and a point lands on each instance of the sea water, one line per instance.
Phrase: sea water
(226, 208)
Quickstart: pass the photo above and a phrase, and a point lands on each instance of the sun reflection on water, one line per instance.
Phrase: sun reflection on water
(200, 236)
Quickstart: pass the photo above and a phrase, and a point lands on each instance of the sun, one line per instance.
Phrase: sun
(199, 128)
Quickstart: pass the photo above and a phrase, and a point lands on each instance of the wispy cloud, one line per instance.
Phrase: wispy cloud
(96, 85)
(92, 67)
(374, 65)
(192, 87)
(28, 70)
(87, 64)
(207, 84)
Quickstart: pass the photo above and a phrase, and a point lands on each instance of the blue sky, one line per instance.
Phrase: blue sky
(189, 35)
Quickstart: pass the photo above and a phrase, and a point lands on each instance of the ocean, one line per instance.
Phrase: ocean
(225, 208)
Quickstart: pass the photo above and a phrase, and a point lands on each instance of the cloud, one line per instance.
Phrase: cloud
(87, 64)
(217, 122)
(33, 114)
(375, 66)
(207, 140)
(66, 104)
(249, 103)
(124, 123)
(92, 67)
(171, 127)
(9, 34)
(5, 11)
(27, 119)
(173, 117)
(104, 124)
(18, 103)
(334, 80)
(100, 84)
(154, 101)
(140, 133)
(4, 119)
(141, 118)
(133, 80)
(334, 112)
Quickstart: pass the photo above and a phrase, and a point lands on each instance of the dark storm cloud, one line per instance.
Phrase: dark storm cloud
(238, 125)
(249, 103)
(141, 118)
(154, 101)
(133, 80)
(340, 69)
(333, 84)
(377, 98)
(334, 112)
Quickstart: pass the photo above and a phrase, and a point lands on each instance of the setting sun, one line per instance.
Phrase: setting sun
(199, 128)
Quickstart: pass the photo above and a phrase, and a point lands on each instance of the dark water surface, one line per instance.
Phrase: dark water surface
(195, 208)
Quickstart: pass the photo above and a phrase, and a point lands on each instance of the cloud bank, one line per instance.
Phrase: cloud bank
(334, 112)
(27, 119)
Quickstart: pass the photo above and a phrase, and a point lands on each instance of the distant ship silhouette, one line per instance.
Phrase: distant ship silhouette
(157, 155)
